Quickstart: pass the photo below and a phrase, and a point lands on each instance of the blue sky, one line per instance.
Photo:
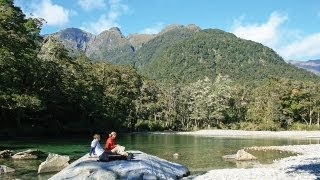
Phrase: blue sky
(290, 27)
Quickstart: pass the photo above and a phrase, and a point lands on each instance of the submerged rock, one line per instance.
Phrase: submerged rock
(28, 154)
(5, 169)
(53, 163)
(6, 154)
(229, 157)
(175, 156)
(244, 156)
(240, 156)
(142, 166)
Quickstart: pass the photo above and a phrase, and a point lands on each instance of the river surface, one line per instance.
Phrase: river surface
(199, 154)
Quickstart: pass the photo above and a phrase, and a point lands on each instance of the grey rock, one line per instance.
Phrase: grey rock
(28, 154)
(244, 156)
(229, 157)
(4, 169)
(175, 156)
(6, 154)
(240, 156)
(53, 163)
(143, 166)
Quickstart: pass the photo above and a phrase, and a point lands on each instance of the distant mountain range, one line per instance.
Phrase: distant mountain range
(310, 65)
(109, 45)
(183, 53)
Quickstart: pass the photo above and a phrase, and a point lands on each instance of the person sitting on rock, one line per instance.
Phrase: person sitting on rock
(97, 149)
(94, 144)
(113, 147)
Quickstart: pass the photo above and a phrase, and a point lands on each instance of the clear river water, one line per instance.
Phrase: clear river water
(199, 154)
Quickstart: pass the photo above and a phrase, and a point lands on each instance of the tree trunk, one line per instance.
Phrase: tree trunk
(305, 120)
(183, 122)
(310, 116)
(318, 120)
(19, 115)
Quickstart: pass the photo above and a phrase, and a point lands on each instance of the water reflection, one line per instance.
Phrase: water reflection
(199, 154)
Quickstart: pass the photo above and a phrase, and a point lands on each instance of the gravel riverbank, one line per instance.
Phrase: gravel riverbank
(254, 134)
(306, 165)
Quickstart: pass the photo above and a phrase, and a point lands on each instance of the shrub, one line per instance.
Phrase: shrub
(303, 126)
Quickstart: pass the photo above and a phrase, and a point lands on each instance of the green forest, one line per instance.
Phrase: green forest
(44, 91)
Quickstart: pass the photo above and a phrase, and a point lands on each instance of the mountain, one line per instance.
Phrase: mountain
(74, 40)
(164, 39)
(184, 53)
(138, 40)
(311, 65)
(110, 45)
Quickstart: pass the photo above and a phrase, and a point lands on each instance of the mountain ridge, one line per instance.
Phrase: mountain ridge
(103, 46)
(184, 52)
(310, 65)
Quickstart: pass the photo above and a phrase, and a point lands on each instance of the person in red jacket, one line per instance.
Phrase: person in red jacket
(113, 147)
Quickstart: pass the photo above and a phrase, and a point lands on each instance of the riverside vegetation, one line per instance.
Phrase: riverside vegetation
(184, 78)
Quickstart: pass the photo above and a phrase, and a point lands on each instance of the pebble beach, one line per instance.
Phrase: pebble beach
(306, 165)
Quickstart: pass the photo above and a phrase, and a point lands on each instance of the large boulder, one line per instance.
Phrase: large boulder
(6, 154)
(28, 154)
(142, 166)
(244, 156)
(53, 163)
(4, 169)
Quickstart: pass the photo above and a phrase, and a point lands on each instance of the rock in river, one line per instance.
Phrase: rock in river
(6, 154)
(244, 156)
(5, 169)
(53, 163)
(28, 154)
(240, 156)
(142, 166)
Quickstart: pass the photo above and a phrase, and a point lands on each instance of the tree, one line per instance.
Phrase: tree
(19, 44)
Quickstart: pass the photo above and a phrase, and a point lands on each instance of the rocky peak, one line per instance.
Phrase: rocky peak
(74, 39)
(193, 27)
(170, 28)
(109, 44)
(137, 40)
(73, 32)
(178, 26)
(114, 31)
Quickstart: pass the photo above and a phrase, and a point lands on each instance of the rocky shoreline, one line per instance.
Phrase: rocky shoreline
(306, 165)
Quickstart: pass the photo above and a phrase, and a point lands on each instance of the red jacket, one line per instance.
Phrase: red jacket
(110, 144)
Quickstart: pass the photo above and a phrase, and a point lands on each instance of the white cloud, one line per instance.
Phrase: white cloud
(153, 30)
(267, 33)
(92, 4)
(106, 21)
(303, 49)
(52, 13)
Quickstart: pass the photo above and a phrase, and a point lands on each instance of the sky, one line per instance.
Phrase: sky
(290, 27)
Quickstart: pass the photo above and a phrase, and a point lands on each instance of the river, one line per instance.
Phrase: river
(199, 154)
